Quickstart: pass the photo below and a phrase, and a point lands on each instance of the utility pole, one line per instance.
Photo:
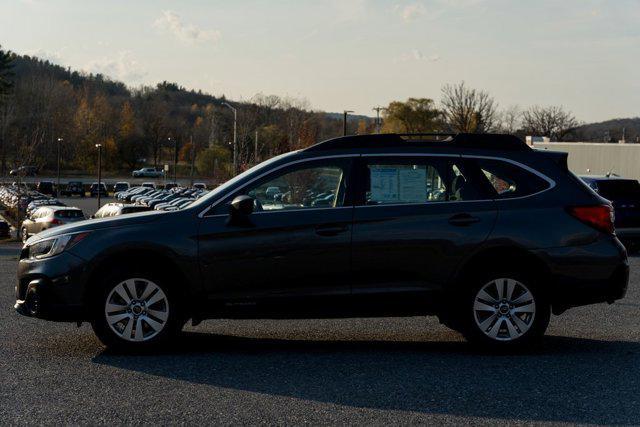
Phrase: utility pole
(193, 157)
(377, 110)
(99, 147)
(235, 137)
(255, 149)
(175, 161)
(58, 173)
(344, 121)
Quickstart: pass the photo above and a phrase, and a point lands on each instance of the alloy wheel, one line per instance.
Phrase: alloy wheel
(136, 309)
(504, 309)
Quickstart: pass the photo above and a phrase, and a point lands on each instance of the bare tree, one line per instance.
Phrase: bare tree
(510, 119)
(468, 110)
(553, 122)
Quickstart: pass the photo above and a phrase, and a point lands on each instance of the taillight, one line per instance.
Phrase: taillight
(599, 217)
(56, 221)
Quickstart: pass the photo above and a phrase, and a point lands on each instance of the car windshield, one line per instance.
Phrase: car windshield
(617, 189)
(215, 193)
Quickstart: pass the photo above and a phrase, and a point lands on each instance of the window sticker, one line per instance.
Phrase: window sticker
(384, 184)
(399, 184)
(413, 184)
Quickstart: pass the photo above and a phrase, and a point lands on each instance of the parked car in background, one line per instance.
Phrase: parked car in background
(480, 230)
(73, 188)
(120, 186)
(127, 195)
(24, 171)
(148, 173)
(200, 185)
(624, 195)
(149, 185)
(38, 201)
(115, 209)
(95, 189)
(46, 187)
(47, 217)
(4, 229)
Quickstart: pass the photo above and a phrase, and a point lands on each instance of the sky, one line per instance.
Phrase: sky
(350, 54)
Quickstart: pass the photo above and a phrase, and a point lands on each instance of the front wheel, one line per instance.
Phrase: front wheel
(505, 311)
(136, 312)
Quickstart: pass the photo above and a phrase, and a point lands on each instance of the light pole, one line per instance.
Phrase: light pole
(99, 147)
(344, 121)
(58, 174)
(235, 137)
(175, 157)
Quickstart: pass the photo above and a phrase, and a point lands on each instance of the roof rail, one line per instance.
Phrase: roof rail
(396, 140)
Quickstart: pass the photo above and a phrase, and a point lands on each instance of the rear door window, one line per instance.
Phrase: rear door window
(419, 180)
(68, 214)
(509, 180)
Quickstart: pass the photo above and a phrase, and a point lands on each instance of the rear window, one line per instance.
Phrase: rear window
(509, 180)
(68, 214)
(617, 189)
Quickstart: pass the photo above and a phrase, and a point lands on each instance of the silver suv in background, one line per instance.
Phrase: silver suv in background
(147, 173)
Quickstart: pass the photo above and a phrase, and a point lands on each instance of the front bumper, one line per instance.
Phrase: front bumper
(51, 288)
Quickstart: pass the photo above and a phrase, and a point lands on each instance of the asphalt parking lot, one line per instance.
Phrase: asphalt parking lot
(322, 371)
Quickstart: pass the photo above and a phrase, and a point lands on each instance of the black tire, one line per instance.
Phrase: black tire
(171, 327)
(509, 335)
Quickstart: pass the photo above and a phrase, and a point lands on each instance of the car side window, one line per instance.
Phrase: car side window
(509, 180)
(305, 186)
(419, 180)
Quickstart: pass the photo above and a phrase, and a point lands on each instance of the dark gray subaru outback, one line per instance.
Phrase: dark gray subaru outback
(480, 230)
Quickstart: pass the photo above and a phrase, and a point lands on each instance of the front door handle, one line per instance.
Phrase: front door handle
(463, 219)
(330, 230)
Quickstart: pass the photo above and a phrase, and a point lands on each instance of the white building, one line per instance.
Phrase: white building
(591, 158)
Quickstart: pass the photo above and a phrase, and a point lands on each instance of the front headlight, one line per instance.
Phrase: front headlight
(49, 247)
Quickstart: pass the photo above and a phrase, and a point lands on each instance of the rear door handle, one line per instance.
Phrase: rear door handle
(463, 219)
(330, 230)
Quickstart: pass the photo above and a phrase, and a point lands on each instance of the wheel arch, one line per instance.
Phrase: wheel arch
(501, 258)
(148, 257)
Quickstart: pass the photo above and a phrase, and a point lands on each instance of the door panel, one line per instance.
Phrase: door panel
(297, 244)
(416, 221)
(415, 247)
(283, 254)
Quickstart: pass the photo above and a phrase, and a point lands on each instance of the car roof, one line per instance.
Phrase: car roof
(487, 141)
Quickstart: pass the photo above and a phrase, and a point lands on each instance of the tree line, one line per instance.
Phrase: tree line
(45, 108)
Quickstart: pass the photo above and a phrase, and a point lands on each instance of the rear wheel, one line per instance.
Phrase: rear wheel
(505, 311)
(136, 312)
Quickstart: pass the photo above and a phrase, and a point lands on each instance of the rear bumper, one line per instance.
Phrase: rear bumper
(589, 274)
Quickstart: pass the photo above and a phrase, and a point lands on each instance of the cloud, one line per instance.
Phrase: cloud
(123, 67)
(349, 10)
(171, 22)
(411, 12)
(416, 55)
(53, 57)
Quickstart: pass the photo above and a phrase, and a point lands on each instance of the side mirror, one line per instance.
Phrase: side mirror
(239, 210)
(242, 205)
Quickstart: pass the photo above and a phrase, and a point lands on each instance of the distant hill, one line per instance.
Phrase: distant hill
(610, 130)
